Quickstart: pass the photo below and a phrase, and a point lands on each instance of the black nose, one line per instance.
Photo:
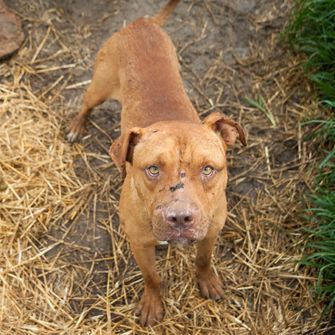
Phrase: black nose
(181, 219)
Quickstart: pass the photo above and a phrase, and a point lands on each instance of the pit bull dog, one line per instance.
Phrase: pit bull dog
(174, 166)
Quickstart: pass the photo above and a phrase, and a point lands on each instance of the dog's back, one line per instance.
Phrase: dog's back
(137, 66)
(151, 87)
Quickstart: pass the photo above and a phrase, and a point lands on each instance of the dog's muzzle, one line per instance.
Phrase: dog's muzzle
(179, 220)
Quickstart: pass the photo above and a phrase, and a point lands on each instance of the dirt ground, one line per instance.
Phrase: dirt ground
(230, 54)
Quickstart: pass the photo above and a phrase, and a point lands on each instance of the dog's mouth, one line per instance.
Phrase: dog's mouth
(179, 234)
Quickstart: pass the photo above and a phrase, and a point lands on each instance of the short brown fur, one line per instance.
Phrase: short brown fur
(174, 165)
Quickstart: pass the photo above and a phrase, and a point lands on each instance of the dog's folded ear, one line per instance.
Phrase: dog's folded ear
(122, 149)
(228, 129)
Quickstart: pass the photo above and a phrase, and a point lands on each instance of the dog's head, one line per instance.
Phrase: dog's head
(179, 170)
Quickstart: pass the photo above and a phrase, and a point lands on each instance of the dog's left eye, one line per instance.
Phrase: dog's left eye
(208, 171)
(152, 171)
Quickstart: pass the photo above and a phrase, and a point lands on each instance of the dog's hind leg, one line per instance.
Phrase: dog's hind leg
(105, 85)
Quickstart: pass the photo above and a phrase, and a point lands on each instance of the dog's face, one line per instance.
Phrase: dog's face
(179, 170)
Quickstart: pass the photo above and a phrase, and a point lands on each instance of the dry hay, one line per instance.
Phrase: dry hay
(65, 267)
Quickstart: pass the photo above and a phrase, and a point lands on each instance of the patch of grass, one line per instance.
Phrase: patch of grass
(322, 240)
(311, 30)
(260, 104)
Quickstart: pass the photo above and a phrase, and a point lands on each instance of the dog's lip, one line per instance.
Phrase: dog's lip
(181, 233)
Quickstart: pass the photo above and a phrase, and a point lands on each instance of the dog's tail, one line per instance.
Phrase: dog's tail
(161, 17)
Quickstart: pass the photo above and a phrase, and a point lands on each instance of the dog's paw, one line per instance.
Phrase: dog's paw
(149, 309)
(211, 287)
(76, 129)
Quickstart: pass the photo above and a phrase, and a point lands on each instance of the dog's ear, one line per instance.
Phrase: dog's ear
(122, 149)
(228, 129)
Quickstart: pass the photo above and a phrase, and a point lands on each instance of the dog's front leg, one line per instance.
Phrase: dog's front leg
(150, 308)
(209, 283)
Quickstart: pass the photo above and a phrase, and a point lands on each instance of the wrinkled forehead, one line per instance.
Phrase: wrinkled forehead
(189, 144)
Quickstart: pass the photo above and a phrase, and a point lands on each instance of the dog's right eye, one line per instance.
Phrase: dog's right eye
(152, 171)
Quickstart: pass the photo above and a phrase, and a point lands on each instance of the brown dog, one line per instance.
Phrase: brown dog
(175, 167)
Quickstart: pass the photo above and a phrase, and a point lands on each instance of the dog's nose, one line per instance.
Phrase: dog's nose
(180, 219)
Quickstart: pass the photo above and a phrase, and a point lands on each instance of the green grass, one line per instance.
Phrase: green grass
(260, 104)
(311, 30)
(322, 213)
(321, 243)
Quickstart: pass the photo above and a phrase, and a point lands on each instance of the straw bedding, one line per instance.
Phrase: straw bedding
(65, 266)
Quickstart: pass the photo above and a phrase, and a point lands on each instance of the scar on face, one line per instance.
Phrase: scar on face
(176, 187)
